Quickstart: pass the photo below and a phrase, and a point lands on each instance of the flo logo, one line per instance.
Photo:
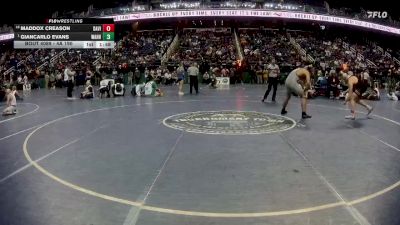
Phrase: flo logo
(377, 14)
(229, 122)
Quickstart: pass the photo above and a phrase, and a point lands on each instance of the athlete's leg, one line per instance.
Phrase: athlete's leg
(285, 103)
(368, 107)
(181, 87)
(299, 90)
(304, 114)
(304, 104)
(352, 104)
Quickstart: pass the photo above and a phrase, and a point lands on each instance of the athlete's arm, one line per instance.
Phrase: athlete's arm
(305, 75)
(308, 79)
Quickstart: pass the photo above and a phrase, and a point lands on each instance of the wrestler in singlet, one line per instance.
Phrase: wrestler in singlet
(297, 83)
(294, 82)
(359, 86)
(356, 88)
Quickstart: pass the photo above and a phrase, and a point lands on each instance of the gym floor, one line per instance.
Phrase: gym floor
(117, 161)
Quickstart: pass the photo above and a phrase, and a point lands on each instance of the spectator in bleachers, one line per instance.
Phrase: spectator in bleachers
(59, 80)
(168, 77)
(206, 78)
(206, 46)
(46, 80)
(259, 75)
(397, 90)
(52, 80)
(137, 75)
(174, 77)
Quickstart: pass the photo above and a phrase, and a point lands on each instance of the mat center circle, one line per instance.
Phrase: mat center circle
(229, 122)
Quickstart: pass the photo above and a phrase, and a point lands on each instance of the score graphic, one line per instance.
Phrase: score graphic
(108, 27)
(108, 36)
(108, 32)
(66, 34)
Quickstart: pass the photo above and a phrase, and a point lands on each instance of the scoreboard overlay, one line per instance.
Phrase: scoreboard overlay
(66, 34)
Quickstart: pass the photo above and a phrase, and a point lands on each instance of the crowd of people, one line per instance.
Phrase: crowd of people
(144, 47)
(134, 49)
(268, 58)
(262, 46)
(331, 52)
(214, 48)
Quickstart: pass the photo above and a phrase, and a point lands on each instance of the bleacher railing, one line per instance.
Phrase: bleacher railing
(238, 46)
(385, 53)
(396, 60)
(370, 63)
(97, 61)
(380, 49)
(310, 58)
(54, 58)
(12, 69)
(301, 51)
(360, 56)
(171, 49)
(353, 50)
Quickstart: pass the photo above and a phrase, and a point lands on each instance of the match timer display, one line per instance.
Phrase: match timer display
(66, 34)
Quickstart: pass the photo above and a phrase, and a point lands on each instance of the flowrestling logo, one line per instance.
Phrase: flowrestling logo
(377, 14)
(229, 122)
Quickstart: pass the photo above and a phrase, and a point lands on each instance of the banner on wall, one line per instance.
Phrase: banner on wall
(251, 13)
(241, 13)
(223, 82)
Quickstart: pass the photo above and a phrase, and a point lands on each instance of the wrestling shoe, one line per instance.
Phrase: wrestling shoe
(350, 117)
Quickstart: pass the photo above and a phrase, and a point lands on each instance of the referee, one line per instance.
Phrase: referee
(193, 72)
(69, 80)
(273, 73)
